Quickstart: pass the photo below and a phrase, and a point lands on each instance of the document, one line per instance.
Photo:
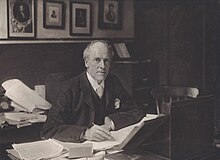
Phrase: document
(23, 96)
(122, 136)
(38, 150)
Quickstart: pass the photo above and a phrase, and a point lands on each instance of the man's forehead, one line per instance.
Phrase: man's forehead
(100, 46)
(99, 49)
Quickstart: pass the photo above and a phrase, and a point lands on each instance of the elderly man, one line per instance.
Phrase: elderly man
(93, 103)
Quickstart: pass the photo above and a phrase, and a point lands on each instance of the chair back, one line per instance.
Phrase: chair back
(53, 82)
(165, 95)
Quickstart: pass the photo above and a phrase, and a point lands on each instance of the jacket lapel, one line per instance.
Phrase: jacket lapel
(108, 91)
(86, 90)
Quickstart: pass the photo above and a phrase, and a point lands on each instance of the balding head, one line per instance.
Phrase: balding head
(100, 45)
(97, 57)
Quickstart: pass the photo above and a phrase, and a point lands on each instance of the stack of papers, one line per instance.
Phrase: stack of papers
(38, 149)
(22, 117)
(48, 149)
(24, 98)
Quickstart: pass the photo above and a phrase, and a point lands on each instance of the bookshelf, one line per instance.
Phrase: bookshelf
(138, 77)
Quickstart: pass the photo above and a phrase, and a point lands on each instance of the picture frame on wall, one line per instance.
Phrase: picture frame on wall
(80, 19)
(53, 14)
(110, 14)
(21, 18)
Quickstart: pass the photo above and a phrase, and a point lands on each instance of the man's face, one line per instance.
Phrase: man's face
(98, 62)
(21, 8)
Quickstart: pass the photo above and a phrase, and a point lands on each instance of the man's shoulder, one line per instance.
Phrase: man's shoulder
(75, 79)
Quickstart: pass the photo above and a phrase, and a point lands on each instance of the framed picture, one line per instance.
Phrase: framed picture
(54, 14)
(110, 14)
(21, 18)
(80, 19)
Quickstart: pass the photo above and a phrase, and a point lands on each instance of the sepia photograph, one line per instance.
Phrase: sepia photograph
(109, 79)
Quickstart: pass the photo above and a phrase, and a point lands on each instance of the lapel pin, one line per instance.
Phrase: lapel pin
(117, 103)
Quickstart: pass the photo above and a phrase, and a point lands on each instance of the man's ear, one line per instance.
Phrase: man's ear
(86, 63)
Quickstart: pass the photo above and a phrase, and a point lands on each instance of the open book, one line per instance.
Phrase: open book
(23, 97)
(122, 136)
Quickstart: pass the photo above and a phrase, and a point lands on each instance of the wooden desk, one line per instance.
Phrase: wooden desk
(138, 154)
(132, 149)
(192, 129)
(125, 155)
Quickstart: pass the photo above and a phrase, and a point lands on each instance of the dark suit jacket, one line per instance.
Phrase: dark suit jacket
(74, 111)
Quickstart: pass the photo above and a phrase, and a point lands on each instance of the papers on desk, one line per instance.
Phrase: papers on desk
(57, 150)
(53, 150)
(23, 97)
(22, 117)
(122, 136)
(38, 150)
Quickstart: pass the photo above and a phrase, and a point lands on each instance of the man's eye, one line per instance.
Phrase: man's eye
(97, 59)
(107, 60)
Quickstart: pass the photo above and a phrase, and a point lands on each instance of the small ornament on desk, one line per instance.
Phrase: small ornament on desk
(5, 104)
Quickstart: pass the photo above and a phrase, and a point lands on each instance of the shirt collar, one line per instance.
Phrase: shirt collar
(94, 83)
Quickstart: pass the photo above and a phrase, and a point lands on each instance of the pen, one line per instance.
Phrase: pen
(23, 125)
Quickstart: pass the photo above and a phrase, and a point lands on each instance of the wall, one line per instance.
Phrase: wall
(32, 61)
(127, 30)
(173, 34)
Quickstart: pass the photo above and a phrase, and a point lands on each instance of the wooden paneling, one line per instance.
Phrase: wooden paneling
(33, 62)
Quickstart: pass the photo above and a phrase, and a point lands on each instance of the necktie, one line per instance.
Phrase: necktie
(100, 91)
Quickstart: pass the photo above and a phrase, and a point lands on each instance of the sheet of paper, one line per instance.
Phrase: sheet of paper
(24, 96)
(38, 149)
(18, 107)
(103, 145)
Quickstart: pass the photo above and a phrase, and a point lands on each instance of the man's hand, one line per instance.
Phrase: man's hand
(97, 133)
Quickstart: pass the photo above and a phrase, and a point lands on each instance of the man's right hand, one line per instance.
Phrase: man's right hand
(97, 133)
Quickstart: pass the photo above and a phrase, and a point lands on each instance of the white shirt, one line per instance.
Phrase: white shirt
(94, 83)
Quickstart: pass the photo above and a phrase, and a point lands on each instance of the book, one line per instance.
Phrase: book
(122, 136)
(23, 97)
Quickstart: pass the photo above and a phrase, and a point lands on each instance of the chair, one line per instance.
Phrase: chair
(53, 82)
(165, 95)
